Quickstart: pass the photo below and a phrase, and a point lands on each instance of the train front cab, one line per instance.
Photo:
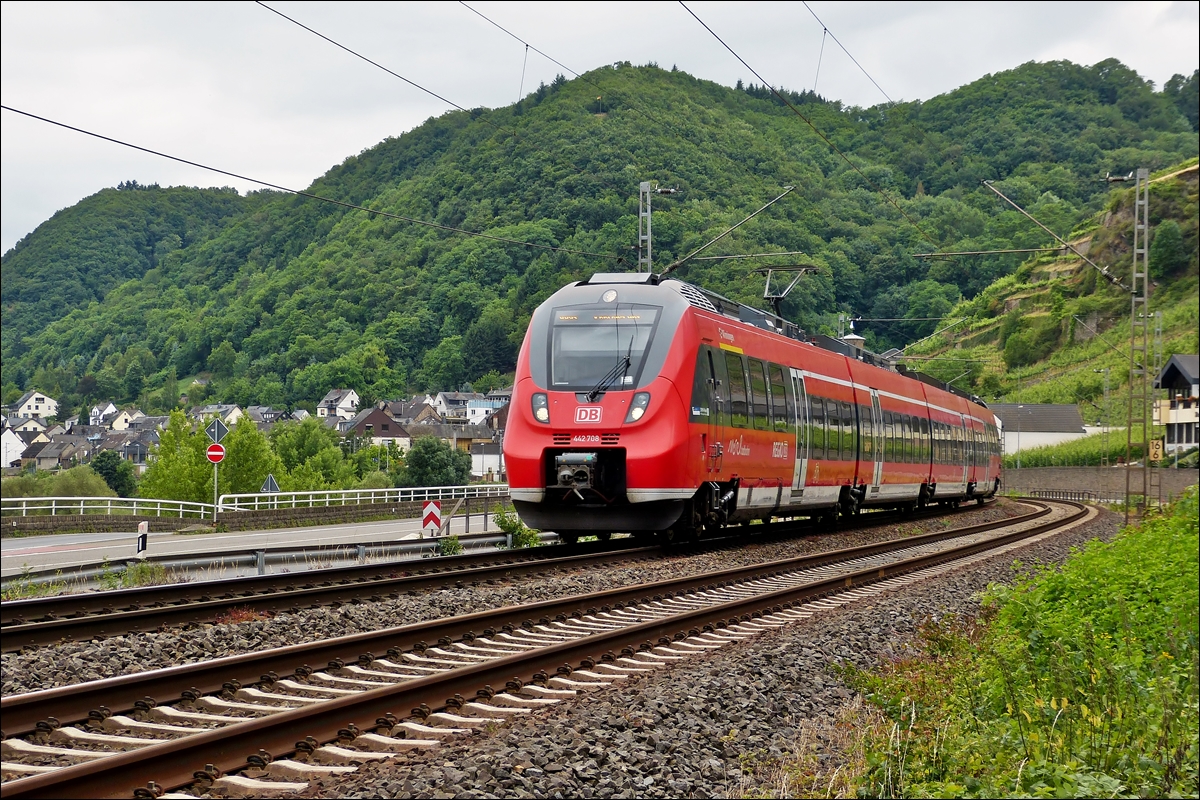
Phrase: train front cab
(597, 435)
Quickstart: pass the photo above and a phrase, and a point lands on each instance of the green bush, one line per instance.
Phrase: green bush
(449, 546)
(1082, 681)
(522, 535)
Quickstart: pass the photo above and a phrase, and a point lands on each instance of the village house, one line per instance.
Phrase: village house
(341, 403)
(36, 404)
(379, 427)
(1030, 425)
(1180, 412)
(227, 412)
(102, 412)
(11, 447)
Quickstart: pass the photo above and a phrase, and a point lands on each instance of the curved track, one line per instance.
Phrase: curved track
(238, 706)
(72, 617)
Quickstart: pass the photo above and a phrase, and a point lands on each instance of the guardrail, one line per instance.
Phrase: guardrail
(1075, 495)
(232, 503)
(345, 497)
(53, 506)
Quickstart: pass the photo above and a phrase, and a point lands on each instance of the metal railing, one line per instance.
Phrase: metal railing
(54, 506)
(345, 497)
(1074, 495)
(232, 503)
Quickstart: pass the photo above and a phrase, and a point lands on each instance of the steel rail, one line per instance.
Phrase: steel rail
(149, 609)
(72, 703)
(172, 764)
(70, 617)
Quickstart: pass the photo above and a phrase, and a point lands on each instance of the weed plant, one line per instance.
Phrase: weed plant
(449, 546)
(1075, 682)
(24, 587)
(522, 535)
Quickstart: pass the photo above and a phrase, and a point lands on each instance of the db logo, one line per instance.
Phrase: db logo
(587, 414)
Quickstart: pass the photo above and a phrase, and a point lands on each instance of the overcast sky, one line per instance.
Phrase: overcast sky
(236, 86)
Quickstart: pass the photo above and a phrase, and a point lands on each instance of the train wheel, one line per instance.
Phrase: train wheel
(569, 537)
(604, 536)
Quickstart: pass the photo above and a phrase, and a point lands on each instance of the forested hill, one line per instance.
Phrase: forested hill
(281, 298)
(82, 252)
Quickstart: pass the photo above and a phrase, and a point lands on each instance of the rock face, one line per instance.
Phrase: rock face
(78, 662)
(710, 726)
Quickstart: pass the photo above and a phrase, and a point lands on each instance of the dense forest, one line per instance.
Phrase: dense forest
(275, 299)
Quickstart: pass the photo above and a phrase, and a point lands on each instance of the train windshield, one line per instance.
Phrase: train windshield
(600, 347)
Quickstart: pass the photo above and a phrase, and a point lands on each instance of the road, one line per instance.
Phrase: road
(68, 550)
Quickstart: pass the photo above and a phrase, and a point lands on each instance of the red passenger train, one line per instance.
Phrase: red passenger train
(649, 405)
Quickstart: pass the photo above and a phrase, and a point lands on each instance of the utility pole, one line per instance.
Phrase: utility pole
(645, 261)
(1137, 479)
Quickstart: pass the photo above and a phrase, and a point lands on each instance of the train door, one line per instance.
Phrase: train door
(715, 436)
(876, 434)
(966, 448)
(800, 473)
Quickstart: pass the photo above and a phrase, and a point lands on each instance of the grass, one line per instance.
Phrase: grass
(23, 587)
(1079, 681)
(141, 573)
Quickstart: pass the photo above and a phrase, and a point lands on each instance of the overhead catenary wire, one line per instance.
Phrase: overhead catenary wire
(551, 58)
(311, 195)
(394, 74)
(680, 262)
(783, 99)
(826, 30)
(820, 56)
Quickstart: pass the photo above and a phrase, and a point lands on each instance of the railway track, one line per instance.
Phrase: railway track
(88, 615)
(384, 692)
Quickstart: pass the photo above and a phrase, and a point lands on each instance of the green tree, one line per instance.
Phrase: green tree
(1167, 251)
(81, 481)
(178, 468)
(248, 459)
(432, 462)
(117, 472)
(297, 442)
(442, 368)
(1185, 93)
(222, 359)
(134, 381)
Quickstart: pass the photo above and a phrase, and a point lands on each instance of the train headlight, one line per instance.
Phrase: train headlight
(541, 408)
(637, 409)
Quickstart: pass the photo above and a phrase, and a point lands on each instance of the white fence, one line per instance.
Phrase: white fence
(232, 503)
(40, 506)
(350, 497)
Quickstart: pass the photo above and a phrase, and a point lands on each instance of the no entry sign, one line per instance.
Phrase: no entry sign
(215, 453)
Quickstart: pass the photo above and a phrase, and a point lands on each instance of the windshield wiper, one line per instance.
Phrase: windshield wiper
(620, 368)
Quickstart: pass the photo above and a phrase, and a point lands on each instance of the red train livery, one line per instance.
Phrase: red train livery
(650, 405)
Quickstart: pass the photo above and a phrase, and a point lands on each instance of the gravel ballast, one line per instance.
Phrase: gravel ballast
(70, 663)
(690, 730)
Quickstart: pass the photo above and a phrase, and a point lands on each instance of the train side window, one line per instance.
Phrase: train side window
(782, 412)
(924, 440)
(737, 391)
(833, 421)
(905, 438)
(887, 436)
(758, 395)
(913, 433)
(817, 440)
(849, 432)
